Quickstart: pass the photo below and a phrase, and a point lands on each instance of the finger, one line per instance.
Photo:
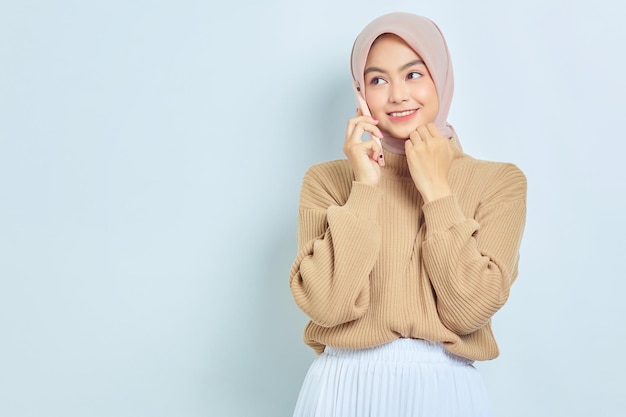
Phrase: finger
(376, 148)
(418, 136)
(414, 137)
(372, 144)
(408, 146)
(433, 130)
(424, 133)
(356, 135)
(361, 118)
(350, 128)
(379, 157)
(367, 119)
(352, 123)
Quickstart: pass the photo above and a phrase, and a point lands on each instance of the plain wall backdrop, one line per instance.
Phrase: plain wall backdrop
(151, 154)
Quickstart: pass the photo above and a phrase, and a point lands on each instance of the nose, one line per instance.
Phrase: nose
(398, 93)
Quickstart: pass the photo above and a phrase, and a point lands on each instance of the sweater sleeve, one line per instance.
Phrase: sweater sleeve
(338, 247)
(472, 263)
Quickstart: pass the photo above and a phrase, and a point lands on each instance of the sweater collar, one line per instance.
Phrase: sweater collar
(395, 165)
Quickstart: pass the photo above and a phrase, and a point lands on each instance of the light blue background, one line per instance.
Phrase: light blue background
(151, 154)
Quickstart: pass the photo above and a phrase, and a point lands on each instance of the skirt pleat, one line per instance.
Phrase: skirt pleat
(403, 378)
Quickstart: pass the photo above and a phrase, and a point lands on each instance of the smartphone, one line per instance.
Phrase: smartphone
(360, 102)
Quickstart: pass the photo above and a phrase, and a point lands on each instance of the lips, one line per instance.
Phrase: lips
(402, 115)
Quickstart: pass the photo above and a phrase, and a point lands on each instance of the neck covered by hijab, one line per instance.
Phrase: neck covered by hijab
(428, 42)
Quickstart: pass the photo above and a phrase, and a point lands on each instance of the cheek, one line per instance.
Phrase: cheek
(375, 101)
(434, 100)
(427, 93)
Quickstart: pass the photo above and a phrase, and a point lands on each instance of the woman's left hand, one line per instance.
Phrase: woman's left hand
(429, 155)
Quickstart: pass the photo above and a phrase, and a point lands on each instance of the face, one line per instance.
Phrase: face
(398, 88)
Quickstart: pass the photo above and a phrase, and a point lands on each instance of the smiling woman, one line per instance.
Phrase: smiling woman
(401, 265)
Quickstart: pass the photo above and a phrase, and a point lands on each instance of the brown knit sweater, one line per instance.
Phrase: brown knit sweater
(375, 263)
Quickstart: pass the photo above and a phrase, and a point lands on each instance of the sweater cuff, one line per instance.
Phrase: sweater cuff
(364, 200)
(441, 214)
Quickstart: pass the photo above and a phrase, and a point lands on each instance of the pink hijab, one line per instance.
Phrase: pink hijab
(426, 39)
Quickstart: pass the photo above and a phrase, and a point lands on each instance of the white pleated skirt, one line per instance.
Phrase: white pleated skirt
(403, 378)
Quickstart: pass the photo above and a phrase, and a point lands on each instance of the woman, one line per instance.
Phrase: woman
(408, 247)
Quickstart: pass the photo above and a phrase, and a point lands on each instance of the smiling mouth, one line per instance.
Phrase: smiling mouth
(402, 113)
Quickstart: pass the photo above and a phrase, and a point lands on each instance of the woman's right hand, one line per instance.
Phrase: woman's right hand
(365, 157)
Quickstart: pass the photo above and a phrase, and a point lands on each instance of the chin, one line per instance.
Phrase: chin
(401, 133)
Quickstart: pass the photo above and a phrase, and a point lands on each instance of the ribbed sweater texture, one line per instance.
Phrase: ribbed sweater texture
(375, 263)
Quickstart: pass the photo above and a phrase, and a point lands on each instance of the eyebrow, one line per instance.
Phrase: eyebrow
(403, 67)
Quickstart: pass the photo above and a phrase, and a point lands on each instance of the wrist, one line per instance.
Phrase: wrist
(435, 192)
(367, 181)
(368, 178)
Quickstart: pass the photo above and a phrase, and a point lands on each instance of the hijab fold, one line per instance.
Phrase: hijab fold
(428, 42)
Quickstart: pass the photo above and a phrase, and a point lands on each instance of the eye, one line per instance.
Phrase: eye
(377, 81)
(413, 75)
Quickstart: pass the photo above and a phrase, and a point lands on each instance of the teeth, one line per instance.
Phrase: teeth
(401, 113)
